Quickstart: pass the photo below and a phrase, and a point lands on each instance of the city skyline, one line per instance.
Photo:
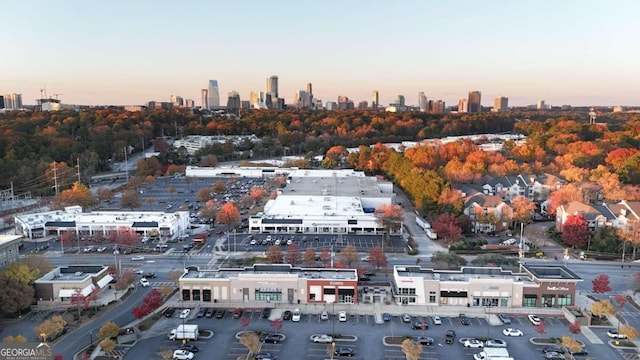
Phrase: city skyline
(573, 52)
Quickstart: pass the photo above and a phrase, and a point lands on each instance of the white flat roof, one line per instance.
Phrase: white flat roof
(307, 205)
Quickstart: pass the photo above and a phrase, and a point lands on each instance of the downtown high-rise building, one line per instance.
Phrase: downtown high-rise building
(474, 103)
(204, 94)
(272, 86)
(375, 100)
(462, 105)
(422, 102)
(213, 97)
(177, 100)
(233, 102)
(500, 103)
(12, 101)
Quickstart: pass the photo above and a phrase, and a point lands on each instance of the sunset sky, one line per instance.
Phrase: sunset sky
(129, 52)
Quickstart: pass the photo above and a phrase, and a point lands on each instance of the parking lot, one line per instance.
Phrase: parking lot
(369, 343)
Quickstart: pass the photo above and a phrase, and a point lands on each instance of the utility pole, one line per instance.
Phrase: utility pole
(78, 166)
(55, 178)
(126, 165)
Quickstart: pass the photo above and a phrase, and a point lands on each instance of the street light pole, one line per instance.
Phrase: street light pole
(333, 332)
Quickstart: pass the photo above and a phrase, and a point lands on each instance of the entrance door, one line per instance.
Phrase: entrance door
(290, 295)
(245, 294)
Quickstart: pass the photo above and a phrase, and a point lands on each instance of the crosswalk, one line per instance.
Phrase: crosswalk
(178, 254)
(157, 284)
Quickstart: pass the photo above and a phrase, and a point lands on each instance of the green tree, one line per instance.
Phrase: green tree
(20, 272)
(446, 260)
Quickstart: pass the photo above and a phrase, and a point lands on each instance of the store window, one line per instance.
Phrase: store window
(196, 295)
(529, 301)
(432, 297)
(564, 300)
(268, 294)
(186, 295)
(206, 295)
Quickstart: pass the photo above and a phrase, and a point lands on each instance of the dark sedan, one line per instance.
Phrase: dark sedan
(189, 347)
(344, 352)
(287, 315)
(273, 338)
(424, 340)
(169, 312)
(266, 312)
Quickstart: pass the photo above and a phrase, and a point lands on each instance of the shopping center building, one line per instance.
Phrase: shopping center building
(102, 223)
(535, 286)
(277, 283)
(60, 284)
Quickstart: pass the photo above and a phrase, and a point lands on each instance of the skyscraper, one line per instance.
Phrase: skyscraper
(473, 104)
(272, 86)
(375, 100)
(422, 102)
(204, 93)
(500, 103)
(214, 95)
(462, 105)
(233, 102)
(541, 105)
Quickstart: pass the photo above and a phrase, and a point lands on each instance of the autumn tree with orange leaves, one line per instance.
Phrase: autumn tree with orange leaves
(79, 194)
(228, 214)
(390, 217)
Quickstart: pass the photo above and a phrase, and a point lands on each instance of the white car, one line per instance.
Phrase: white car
(535, 320)
(322, 339)
(512, 332)
(495, 343)
(295, 317)
(144, 282)
(182, 355)
(437, 320)
(614, 334)
(138, 271)
(137, 258)
(342, 316)
(185, 313)
(473, 343)
(365, 258)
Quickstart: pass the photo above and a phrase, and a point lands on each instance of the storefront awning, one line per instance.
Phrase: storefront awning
(66, 293)
(104, 281)
(88, 290)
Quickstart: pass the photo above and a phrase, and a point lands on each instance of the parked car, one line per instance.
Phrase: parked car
(553, 348)
(237, 313)
(614, 334)
(436, 320)
(322, 338)
(344, 352)
(220, 313)
(144, 282)
(295, 317)
(386, 317)
(324, 315)
(582, 352)
(405, 318)
(554, 356)
(342, 316)
(182, 355)
(185, 313)
(424, 340)
(419, 324)
(286, 315)
(265, 356)
(150, 275)
(273, 338)
(209, 313)
(473, 343)
(495, 343)
(200, 313)
(169, 312)
(253, 242)
(534, 319)
(265, 313)
(450, 337)
(512, 332)
(365, 258)
(504, 318)
(464, 320)
(189, 347)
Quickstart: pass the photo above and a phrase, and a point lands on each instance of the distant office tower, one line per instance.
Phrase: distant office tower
(375, 100)
(363, 104)
(257, 100)
(189, 103)
(177, 100)
(1, 102)
(332, 105)
(214, 94)
(436, 107)
(310, 89)
(541, 105)
(500, 103)
(233, 102)
(302, 99)
(272, 86)
(204, 93)
(462, 106)
(473, 104)
(400, 100)
(422, 102)
(344, 103)
(13, 101)
(245, 104)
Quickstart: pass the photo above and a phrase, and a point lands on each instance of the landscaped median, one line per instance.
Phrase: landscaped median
(336, 337)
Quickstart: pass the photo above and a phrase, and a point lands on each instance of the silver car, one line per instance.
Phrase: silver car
(324, 315)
